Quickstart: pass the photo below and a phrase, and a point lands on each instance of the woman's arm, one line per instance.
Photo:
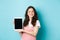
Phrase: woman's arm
(21, 33)
(34, 33)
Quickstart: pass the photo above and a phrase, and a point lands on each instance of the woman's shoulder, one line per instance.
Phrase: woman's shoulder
(38, 23)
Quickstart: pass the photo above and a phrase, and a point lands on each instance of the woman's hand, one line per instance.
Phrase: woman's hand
(19, 30)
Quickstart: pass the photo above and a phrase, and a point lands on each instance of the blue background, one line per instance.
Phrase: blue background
(48, 13)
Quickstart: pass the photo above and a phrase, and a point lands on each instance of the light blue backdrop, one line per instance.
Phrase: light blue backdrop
(48, 13)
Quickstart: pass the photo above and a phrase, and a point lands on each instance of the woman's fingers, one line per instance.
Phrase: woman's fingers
(13, 21)
(19, 30)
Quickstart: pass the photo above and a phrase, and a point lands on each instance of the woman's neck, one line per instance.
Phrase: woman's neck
(30, 19)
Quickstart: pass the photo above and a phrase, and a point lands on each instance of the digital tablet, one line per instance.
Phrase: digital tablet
(18, 22)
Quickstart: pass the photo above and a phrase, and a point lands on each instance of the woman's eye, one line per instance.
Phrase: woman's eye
(29, 11)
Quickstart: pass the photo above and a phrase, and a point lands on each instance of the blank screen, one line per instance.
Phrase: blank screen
(18, 23)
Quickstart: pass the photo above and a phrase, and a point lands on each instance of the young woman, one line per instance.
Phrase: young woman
(31, 24)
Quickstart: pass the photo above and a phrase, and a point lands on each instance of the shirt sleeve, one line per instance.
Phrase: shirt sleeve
(38, 23)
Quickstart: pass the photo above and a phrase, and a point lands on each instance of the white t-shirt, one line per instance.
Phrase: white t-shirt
(37, 24)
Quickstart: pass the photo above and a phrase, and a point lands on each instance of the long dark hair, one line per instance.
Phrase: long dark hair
(34, 18)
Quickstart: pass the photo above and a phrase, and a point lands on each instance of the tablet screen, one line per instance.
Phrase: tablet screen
(18, 23)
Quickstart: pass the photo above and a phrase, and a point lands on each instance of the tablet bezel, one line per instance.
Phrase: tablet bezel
(14, 21)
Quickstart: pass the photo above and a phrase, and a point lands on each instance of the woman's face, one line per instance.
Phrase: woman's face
(30, 12)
